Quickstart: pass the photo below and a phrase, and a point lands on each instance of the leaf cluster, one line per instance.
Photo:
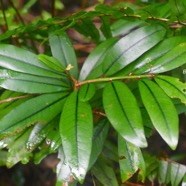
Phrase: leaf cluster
(99, 116)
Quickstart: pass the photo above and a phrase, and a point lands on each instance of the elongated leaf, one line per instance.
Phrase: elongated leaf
(17, 151)
(63, 51)
(130, 47)
(146, 61)
(41, 132)
(51, 62)
(122, 110)
(100, 134)
(39, 109)
(104, 173)
(172, 87)
(164, 174)
(123, 27)
(76, 129)
(161, 111)
(63, 170)
(27, 83)
(130, 159)
(171, 60)
(92, 66)
(177, 173)
(20, 60)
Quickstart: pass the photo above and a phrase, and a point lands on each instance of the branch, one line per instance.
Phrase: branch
(15, 98)
(138, 77)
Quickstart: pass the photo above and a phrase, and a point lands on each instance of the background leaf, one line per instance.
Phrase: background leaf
(104, 173)
(130, 159)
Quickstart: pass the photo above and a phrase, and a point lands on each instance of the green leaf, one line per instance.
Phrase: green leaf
(76, 129)
(3, 157)
(130, 159)
(123, 27)
(156, 103)
(86, 27)
(184, 180)
(172, 87)
(171, 60)
(92, 67)
(178, 8)
(18, 151)
(147, 60)
(51, 62)
(123, 112)
(177, 173)
(130, 47)
(39, 109)
(86, 92)
(104, 173)
(164, 172)
(20, 60)
(26, 83)
(99, 137)
(63, 51)
(105, 27)
(63, 170)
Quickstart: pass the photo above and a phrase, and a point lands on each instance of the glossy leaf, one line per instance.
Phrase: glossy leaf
(51, 62)
(39, 109)
(63, 51)
(171, 60)
(18, 151)
(99, 137)
(130, 159)
(172, 87)
(156, 103)
(123, 27)
(20, 60)
(76, 129)
(92, 67)
(39, 133)
(146, 61)
(130, 47)
(104, 173)
(177, 173)
(123, 112)
(86, 92)
(164, 172)
(26, 83)
(63, 170)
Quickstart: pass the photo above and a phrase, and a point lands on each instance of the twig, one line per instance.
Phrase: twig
(4, 15)
(78, 84)
(17, 12)
(53, 8)
(15, 98)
